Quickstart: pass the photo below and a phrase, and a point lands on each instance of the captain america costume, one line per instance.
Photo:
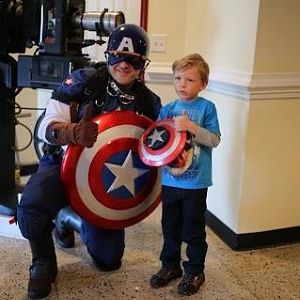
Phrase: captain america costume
(39, 207)
(71, 119)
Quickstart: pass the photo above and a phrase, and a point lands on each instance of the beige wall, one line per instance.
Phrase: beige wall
(223, 31)
(27, 98)
(168, 17)
(270, 188)
(170, 20)
(278, 39)
(252, 47)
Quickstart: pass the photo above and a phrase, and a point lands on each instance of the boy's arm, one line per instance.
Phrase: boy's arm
(203, 136)
(200, 135)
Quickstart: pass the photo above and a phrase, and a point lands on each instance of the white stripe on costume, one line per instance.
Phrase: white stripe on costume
(56, 111)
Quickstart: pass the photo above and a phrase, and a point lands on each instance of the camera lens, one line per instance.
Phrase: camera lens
(104, 21)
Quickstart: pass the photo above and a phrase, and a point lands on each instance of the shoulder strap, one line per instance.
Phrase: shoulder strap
(146, 100)
(96, 84)
(95, 89)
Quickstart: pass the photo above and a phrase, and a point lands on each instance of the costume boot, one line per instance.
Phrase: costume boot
(43, 270)
(66, 223)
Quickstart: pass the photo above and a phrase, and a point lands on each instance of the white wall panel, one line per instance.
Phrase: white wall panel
(131, 10)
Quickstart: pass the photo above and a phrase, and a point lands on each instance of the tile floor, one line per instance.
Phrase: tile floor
(264, 274)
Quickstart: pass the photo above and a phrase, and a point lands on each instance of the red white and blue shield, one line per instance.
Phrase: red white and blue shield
(160, 144)
(108, 184)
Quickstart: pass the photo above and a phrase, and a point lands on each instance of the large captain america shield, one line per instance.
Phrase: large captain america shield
(108, 184)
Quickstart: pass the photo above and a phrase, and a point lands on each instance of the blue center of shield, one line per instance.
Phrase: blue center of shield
(124, 175)
(157, 138)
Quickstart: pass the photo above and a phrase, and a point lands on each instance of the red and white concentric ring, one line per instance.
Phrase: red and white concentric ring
(78, 162)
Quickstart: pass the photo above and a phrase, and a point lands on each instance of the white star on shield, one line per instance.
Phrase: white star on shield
(156, 136)
(125, 174)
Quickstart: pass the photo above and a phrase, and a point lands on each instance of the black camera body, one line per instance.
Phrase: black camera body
(56, 28)
(18, 23)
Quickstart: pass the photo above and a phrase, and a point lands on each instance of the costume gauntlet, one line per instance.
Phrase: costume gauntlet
(83, 133)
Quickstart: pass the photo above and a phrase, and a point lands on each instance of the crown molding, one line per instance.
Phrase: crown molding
(239, 84)
(159, 73)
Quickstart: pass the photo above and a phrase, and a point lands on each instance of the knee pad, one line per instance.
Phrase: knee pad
(106, 257)
(105, 246)
(106, 267)
(32, 222)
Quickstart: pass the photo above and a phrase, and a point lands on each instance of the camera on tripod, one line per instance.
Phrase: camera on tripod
(57, 28)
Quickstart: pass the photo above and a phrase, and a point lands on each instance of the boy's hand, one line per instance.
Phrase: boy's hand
(183, 123)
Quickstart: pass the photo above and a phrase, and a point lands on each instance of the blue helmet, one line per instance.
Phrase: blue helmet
(129, 39)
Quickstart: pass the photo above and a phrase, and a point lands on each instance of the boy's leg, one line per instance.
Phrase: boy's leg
(171, 227)
(194, 207)
(171, 251)
(193, 233)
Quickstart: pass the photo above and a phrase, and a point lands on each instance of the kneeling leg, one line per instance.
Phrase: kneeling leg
(105, 246)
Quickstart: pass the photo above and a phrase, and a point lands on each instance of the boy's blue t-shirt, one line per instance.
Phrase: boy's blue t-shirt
(199, 172)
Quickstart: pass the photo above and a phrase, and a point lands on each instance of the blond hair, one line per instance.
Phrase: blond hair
(193, 60)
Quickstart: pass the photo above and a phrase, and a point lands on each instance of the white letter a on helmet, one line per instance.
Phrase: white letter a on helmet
(126, 45)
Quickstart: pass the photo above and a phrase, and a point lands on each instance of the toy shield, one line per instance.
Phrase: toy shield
(160, 144)
(108, 184)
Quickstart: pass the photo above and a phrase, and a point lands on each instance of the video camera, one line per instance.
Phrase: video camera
(56, 27)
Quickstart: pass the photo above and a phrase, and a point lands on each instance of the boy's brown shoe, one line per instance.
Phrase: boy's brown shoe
(164, 276)
(190, 284)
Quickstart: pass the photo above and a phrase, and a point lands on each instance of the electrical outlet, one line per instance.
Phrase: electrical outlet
(158, 43)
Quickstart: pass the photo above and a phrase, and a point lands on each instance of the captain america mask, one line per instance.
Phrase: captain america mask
(135, 61)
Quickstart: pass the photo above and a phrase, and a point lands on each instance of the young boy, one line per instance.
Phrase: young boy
(185, 180)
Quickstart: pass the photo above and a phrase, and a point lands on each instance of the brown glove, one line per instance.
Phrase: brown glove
(83, 133)
(86, 131)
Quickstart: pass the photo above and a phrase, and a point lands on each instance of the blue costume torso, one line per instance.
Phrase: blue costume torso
(86, 85)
